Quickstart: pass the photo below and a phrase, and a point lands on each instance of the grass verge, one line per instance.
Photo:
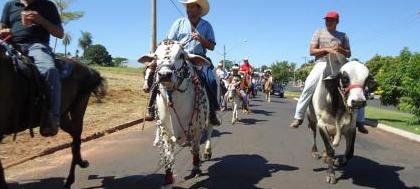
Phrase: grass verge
(392, 118)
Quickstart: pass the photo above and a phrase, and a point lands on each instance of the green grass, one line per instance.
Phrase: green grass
(392, 118)
(117, 70)
(291, 94)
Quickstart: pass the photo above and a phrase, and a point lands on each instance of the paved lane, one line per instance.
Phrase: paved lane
(259, 152)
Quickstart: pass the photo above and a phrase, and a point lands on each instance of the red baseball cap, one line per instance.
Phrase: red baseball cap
(332, 14)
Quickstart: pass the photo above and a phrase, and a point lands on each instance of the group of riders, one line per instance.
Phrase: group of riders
(30, 23)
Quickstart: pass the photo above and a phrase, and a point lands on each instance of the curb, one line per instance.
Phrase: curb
(405, 134)
(68, 144)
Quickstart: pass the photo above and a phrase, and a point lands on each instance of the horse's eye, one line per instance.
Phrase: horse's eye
(345, 80)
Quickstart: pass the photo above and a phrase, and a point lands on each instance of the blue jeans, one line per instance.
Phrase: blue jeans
(44, 60)
(360, 115)
(211, 86)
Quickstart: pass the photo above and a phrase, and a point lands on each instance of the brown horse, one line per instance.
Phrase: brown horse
(268, 85)
(18, 112)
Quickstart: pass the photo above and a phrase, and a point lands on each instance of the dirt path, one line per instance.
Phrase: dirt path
(124, 103)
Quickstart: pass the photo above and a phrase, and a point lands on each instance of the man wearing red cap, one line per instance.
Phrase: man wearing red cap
(324, 41)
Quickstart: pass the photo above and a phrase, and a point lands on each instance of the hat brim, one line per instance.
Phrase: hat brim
(204, 4)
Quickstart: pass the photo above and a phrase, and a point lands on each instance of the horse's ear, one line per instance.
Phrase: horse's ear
(371, 83)
(146, 59)
(198, 60)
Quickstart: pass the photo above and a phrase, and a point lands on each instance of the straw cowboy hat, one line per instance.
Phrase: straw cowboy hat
(267, 70)
(204, 4)
(235, 67)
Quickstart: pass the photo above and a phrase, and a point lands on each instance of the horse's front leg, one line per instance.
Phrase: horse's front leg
(350, 139)
(330, 178)
(3, 184)
(195, 151)
(208, 149)
(234, 112)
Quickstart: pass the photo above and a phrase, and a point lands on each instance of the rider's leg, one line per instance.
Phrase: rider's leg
(306, 96)
(44, 60)
(211, 88)
(360, 121)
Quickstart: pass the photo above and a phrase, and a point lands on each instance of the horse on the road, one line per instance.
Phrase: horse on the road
(182, 105)
(332, 110)
(22, 103)
(268, 85)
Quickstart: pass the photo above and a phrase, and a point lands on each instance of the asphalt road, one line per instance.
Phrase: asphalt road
(259, 152)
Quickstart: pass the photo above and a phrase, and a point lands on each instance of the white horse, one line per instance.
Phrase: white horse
(234, 98)
(332, 112)
(182, 105)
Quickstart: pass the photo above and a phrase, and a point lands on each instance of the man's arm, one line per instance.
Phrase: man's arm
(55, 30)
(206, 43)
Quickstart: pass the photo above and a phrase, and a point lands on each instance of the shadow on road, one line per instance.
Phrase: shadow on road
(214, 134)
(250, 121)
(239, 171)
(372, 174)
(49, 183)
(129, 182)
(264, 112)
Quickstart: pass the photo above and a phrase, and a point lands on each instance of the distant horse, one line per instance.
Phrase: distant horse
(268, 85)
(234, 97)
(20, 108)
(182, 105)
(246, 86)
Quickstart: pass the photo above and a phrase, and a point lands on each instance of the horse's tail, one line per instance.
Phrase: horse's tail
(96, 84)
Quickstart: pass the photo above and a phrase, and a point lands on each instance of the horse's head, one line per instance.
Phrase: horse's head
(353, 78)
(174, 64)
(231, 91)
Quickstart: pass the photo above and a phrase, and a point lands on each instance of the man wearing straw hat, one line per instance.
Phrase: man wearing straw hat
(198, 36)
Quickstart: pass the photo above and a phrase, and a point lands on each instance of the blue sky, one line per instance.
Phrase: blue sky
(273, 29)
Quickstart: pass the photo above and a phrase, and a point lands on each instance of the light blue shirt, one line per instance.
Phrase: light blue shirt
(181, 31)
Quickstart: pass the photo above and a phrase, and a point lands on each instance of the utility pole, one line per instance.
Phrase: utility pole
(224, 55)
(153, 33)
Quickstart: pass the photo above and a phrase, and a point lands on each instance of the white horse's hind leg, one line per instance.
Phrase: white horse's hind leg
(234, 112)
(269, 97)
(207, 149)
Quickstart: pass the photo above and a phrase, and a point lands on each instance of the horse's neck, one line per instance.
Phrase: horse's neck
(328, 99)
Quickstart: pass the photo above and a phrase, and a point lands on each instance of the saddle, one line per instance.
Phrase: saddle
(334, 63)
(37, 101)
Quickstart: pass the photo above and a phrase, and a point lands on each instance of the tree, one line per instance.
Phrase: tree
(97, 54)
(282, 71)
(66, 17)
(263, 68)
(304, 70)
(399, 80)
(85, 41)
(228, 64)
(66, 42)
(118, 61)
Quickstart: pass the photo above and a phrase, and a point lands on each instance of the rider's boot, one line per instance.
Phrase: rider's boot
(150, 114)
(213, 118)
(50, 126)
(296, 123)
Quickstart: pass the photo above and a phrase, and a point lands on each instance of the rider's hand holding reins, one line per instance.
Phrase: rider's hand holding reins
(4, 32)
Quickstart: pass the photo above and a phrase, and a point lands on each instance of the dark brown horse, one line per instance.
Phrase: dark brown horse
(17, 99)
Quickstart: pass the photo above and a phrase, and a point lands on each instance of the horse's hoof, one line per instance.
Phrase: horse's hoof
(168, 186)
(316, 155)
(196, 173)
(207, 156)
(331, 179)
(340, 162)
(84, 164)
